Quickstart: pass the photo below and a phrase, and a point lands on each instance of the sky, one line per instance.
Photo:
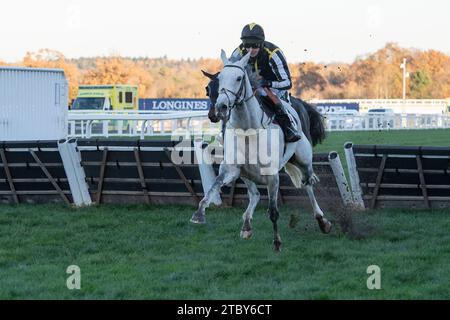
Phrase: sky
(314, 30)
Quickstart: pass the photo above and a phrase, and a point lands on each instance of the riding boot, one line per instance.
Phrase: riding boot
(290, 134)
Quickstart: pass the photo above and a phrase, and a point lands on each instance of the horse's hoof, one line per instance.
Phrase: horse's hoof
(198, 219)
(246, 234)
(314, 179)
(277, 246)
(324, 224)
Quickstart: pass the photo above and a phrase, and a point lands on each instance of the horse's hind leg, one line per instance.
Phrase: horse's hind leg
(310, 178)
(324, 224)
(254, 196)
(303, 159)
(225, 176)
(272, 190)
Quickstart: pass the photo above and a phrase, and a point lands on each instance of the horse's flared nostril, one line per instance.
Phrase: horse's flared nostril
(221, 107)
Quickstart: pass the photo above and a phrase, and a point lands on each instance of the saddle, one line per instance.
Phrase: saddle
(267, 108)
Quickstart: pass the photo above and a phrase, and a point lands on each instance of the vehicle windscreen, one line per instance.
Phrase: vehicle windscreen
(88, 104)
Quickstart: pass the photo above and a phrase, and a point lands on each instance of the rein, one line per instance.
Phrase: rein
(242, 92)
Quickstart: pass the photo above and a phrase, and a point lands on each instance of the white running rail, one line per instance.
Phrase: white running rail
(150, 123)
(373, 121)
(135, 123)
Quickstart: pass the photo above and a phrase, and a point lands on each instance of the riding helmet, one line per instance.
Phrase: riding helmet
(252, 32)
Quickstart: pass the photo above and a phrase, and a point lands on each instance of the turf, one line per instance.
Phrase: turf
(433, 137)
(153, 252)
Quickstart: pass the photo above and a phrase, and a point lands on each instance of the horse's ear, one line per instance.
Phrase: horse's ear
(224, 58)
(245, 59)
(209, 75)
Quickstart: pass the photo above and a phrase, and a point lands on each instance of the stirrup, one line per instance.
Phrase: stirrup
(291, 135)
(293, 138)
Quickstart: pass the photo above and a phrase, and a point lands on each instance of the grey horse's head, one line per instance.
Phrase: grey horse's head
(232, 85)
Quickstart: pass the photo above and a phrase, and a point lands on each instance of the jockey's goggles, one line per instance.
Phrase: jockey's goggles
(252, 45)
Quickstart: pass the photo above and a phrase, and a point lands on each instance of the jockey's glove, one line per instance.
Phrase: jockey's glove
(263, 83)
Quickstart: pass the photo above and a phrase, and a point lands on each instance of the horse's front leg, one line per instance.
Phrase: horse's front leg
(254, 196)
(226, 175)
(272, 190)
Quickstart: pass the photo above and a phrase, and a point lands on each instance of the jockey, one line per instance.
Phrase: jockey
(268, 60)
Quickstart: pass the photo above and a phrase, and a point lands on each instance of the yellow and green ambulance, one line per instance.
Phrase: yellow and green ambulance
(106, 97)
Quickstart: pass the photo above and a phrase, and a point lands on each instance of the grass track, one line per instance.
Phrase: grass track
(153, 252)
(434, 137)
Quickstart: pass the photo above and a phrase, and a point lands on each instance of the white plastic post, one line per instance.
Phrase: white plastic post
(106, 128)
(120, 127)
(70, 172)
(75, 174)
(89, 129)
(354, 176)
(341, 180)
(79, 171)
(143, 128)
(206, 169)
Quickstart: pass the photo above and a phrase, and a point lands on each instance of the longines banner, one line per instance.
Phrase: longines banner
(330, 107)
(203, 104)
(174, 104)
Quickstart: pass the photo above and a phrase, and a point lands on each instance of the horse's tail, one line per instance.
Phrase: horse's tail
(313, 127)
(317, 126)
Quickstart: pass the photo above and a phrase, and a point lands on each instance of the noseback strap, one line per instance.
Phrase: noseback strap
(234, 66)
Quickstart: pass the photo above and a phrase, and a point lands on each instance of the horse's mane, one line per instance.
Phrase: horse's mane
(253, 76)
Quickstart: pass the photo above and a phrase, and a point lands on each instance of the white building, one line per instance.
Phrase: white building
(33, 104)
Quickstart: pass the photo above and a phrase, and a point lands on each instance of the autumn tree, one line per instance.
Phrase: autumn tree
(46, 58)
(309, 81)
(437, 66)
(420, 84)
(371, 76)
(117, 70)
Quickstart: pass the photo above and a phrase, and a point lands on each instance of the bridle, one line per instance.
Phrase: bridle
(239, 95)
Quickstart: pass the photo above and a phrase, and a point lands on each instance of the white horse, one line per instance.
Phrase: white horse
(238, 107)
